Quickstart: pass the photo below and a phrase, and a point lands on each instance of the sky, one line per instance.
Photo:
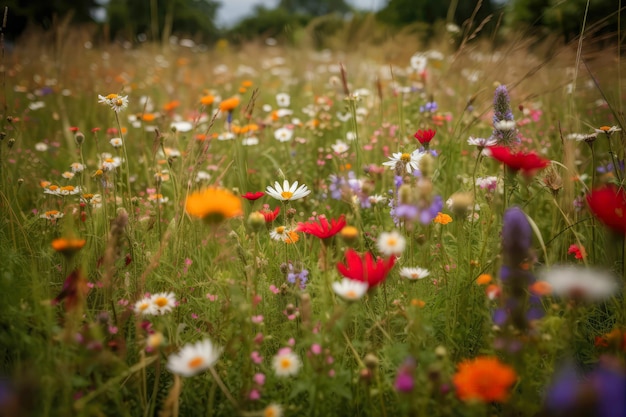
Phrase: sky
(232, 11)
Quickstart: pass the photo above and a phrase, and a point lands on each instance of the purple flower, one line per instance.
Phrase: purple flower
(516, 236)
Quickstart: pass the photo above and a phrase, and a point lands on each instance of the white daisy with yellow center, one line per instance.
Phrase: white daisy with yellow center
(391, 243)
(163, 302)
(410, 161)
(287, 192)
(145, 307)
(349, 289)
(286, 363)
(194, 358)
(273, 410)
(414, 273)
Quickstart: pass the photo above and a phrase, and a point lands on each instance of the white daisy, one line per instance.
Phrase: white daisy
(273, 410)
(116, 142)
(283, 99)
(609, 130)
(414, 273)
(194, 358)
(409, 160)
(250, 141)
(117, 102)
(349, 289)
(284, 234)
(68, 175)
(340, 147)
(580, 283)
(109, 164)
(77, 167)
(286, 363)
(283, 134)
(377, 198)
(481, 142)
(145, 306)
(288, 192)
(163, 302)
(391, 243)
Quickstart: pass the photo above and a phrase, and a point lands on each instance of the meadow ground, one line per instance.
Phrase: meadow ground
(454, 244)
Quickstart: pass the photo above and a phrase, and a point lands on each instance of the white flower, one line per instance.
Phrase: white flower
(281, 233)
(288, 192)
(286, 363)
(202, 176)
(410, 160)
(340, 147)
(77, 167)
(349, 289)
(109, 164)
(68, 175)
(377, 198)
(250, 141)
(145, 306)
(117, 102)
(608, 130)
(193, 359)
(391, 243)
(504, 125)
(226, 136)
(116, 142)
(273, 410)
(482, 142)
(487, 183)
(414, 273)
(580, 283)
(282, 113)
(283, 134)
(41, 147)
(181, 126)
(419, 61)
(163, 302)
(283, 100)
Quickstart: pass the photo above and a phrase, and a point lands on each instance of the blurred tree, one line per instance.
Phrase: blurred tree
(404, 12)
(275, 23)
(42, 13)
(159, 18)
(565, 18)
(314, 7)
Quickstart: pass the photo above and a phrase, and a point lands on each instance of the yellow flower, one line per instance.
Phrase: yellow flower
(442, 218)
(213, 204)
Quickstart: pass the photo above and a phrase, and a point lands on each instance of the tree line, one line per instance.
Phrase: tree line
(157, 19)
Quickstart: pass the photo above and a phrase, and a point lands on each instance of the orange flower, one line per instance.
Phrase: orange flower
(484, 379)
(540, 288)
(213, 205)
(483, 279)
(148, 117)
(171, 105)
(229, 104)
(207, 100)
(246, 83)
(68, 246)
(442, 218)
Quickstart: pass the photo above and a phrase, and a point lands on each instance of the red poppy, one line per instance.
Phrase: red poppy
(526, 162)
(578, 252)
(269, 215)
(364, 269)
(74, 129)
(609, 205)
(253, 196)
(425, 136)
(322, 229)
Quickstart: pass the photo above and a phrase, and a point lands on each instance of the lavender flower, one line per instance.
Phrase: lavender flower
(297, 276)
(504, 131)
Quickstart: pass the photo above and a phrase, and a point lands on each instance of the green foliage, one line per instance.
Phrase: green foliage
(276, 23)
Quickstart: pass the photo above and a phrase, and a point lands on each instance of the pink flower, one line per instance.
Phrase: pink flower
(259, 379)
(254, 395)
(256, 357)
(316, 349)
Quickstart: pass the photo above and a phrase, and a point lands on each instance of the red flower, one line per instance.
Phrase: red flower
(363, 268)
(74, 290)
(322, 229)
(578, 252)
(527, 162)
(253, 196)
(74, 129)
(269, 215)
(425, 136)
(609, 205)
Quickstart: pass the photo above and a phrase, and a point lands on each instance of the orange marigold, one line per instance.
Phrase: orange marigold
(442, 218)
(229, 104)
(484, 379)
(207, 100)
(213, 204)
(68, 246)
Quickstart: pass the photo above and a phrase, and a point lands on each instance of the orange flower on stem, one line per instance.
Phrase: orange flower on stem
(484, 379)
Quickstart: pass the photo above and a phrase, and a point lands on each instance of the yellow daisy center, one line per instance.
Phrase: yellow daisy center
(392, 241)
(406, 157)
(119, 102)
(269, 412)
(280, 230)
(111, 96)
(286, 195)
(285, 363)
(350, 294)
(144, 306)
(415, 275)
(161, 301)
(195, 362)
(605, 128)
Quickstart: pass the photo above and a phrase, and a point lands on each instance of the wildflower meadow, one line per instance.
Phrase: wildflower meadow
(395, 229)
